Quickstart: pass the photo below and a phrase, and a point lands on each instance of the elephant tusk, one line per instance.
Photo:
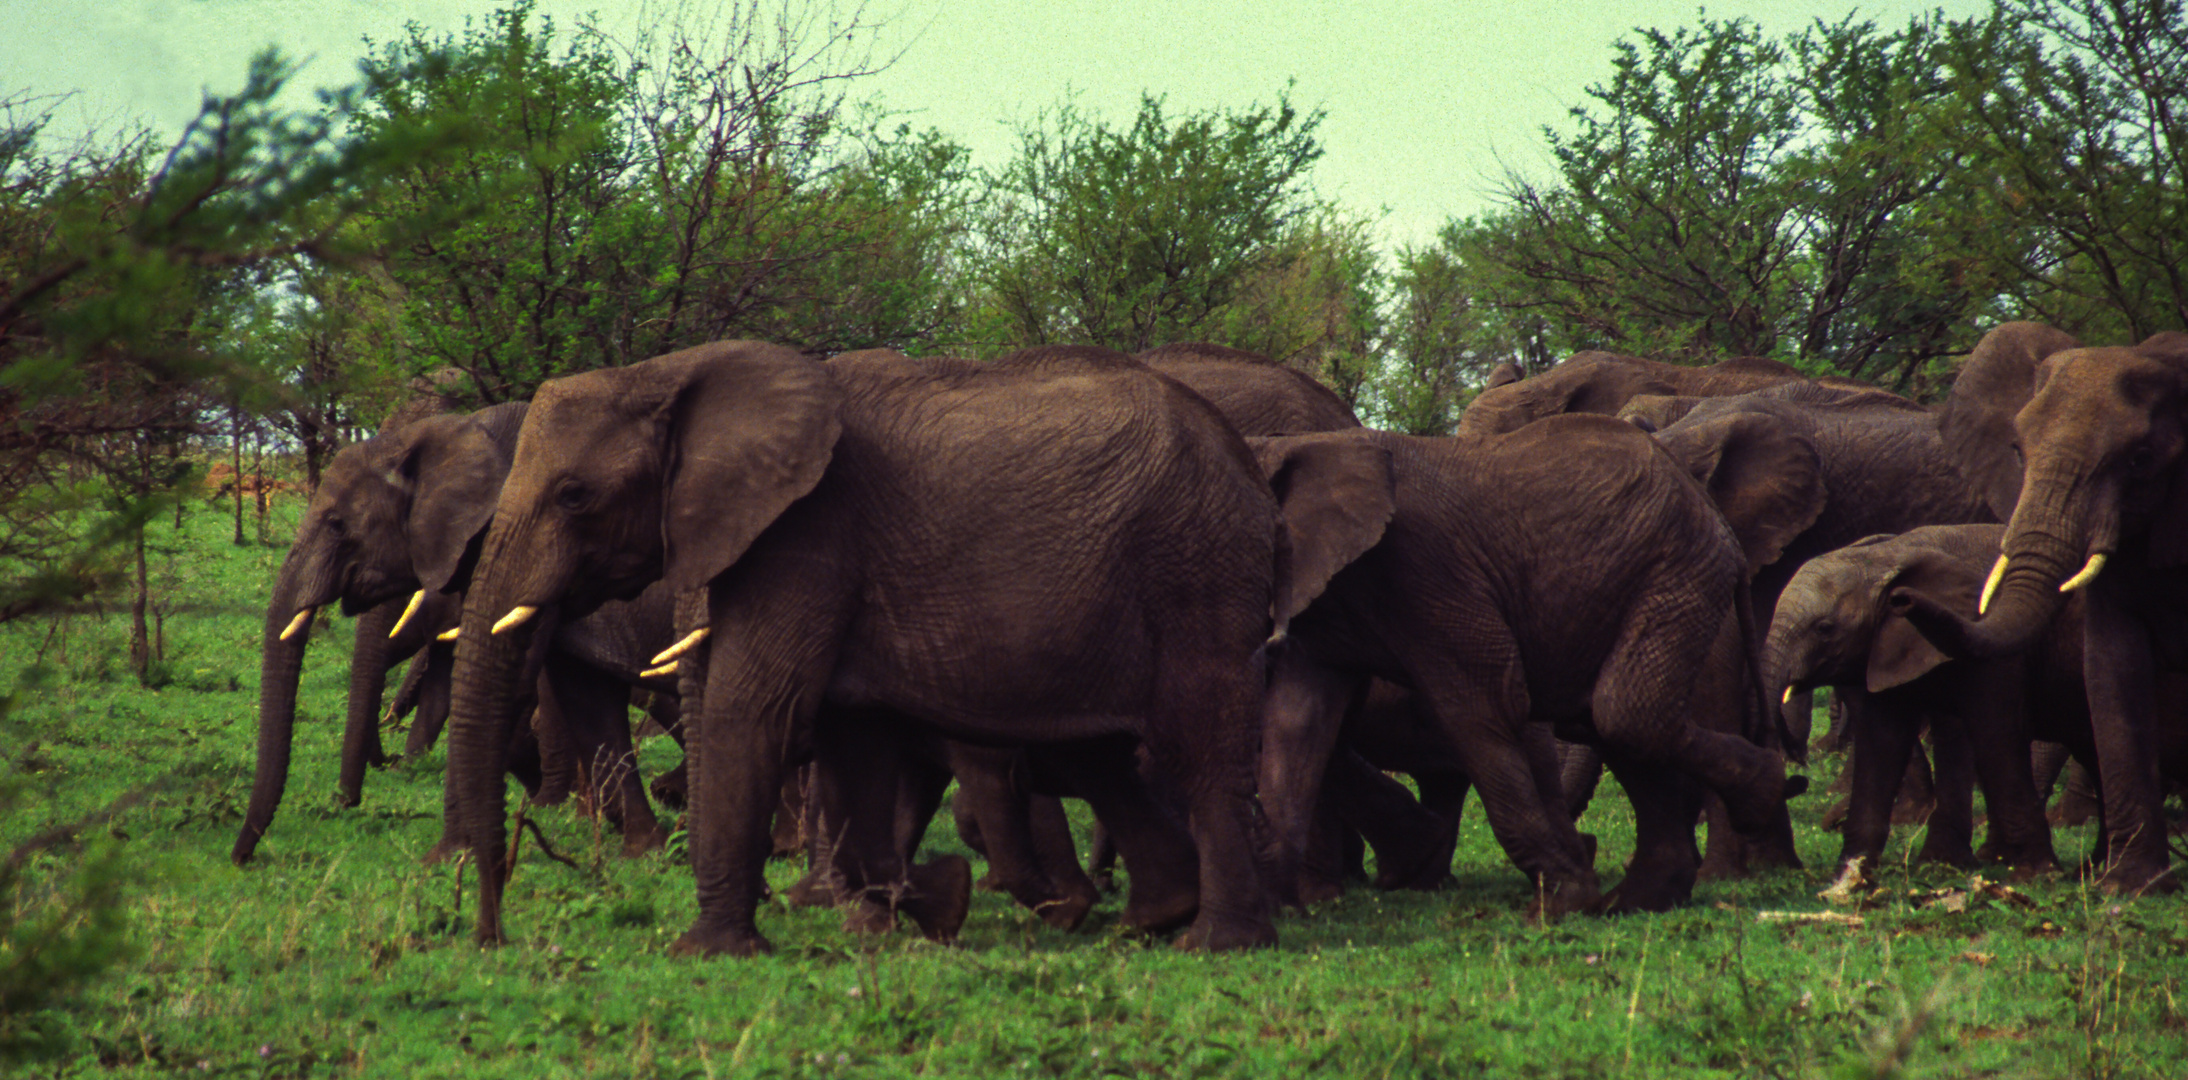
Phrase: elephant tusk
(450, 634)
(299, 624)
(417, 600)
(689, 642)
(2089, 573)
(1788, 698)
(1990, 586)
(665, 669)
(516, 617)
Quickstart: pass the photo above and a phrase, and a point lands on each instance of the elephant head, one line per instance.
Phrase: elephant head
(1257, 395)
(393, 514)
(1835, 625)
(2099, 436)
(1764, 476)
(666, 469)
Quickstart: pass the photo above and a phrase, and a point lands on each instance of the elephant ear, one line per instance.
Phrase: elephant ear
(749, 429)
(1503, 374)
(1336, 492)
(1766, 479)
(2169, 531)
(1655, 412)
(1996, 379)
(1900, 654)
(454, 469)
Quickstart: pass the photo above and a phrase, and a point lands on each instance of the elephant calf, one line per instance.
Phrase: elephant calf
(1835, 626)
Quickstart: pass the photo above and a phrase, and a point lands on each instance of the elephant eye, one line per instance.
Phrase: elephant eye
(572, 495)
(1826, 628)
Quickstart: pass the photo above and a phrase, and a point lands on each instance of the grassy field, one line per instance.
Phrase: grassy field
(337, 953)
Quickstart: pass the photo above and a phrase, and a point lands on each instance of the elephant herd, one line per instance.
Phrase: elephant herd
(1189, 589)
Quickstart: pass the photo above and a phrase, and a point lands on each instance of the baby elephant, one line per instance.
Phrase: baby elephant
(1834, 628)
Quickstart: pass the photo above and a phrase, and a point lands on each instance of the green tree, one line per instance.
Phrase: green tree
(1137, 236)
(2074, 110)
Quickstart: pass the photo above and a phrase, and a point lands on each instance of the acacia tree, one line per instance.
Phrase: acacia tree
(2073, 111)
(1138, 236)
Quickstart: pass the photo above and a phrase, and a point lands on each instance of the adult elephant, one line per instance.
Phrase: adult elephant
(2085, 448)
(1256, 394)
(393, 515)
(1602, 382)
(1064, 548)
(1835, 626)
(1802, 469)
(1596, 595)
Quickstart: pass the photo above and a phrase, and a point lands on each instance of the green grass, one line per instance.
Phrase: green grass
(339, 954)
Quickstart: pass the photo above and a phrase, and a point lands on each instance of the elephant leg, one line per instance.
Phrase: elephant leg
(990, 783)
(791, 826)
(1662, 873)
(1301, 714)
(592, 709)
(769, 655)
(2046, 760)
(2121, 675)
(1483, 711)
(1835, 739)
(1950, 835)
(1580, 768)
(560, 761)
(1724, 857)
(877, 775)
(1917, 798)
(2079, 802)
(1202, 736)
(1993, 722)
(1323, 869)
(1101, 857)
(968, 832)
(1412, 844)
(1881, 738)
(434, 689)
(1059, 857)
(1162, 867)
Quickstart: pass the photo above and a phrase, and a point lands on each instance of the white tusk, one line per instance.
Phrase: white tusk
(1990, 587)
(2089, 573)
(516, 617)
(417, 600)
(450, 634)
(1788, 698)
(665, 669)
(690, 641)
(297, 625)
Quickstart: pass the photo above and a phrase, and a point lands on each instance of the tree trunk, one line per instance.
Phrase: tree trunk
(235, 451)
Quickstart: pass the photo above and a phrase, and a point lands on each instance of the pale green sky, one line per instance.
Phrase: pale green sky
(1427, 102)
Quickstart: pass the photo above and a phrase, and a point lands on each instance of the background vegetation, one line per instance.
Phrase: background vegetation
(490, 208)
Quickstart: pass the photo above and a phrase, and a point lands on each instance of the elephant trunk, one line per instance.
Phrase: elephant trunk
(483, 720)
(281, 663)
(2043, 548)
(370, 658)
(1786, 671)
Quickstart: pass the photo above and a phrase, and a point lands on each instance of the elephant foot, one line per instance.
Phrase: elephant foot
(1556, 897)
(1429, 869)
(1065, 912)
(1720, 865)
(668, 789)
(1834, 816)
(1153, 909)
(1213, 934)
(817, 888)
(937, 898)
(2021, 871)
(710, 942)
(2138, 879)
(644, 841)
(447, 848)
(1949, 853)
(1653, 885)
(1316, 889)
(940, 897)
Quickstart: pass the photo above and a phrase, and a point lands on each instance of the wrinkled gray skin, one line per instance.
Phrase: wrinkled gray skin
(1601, 382)
(1835, 627)
(1802, 469)
(2087, 449)
(991, 550)
(393, 514)
(1629, 635)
